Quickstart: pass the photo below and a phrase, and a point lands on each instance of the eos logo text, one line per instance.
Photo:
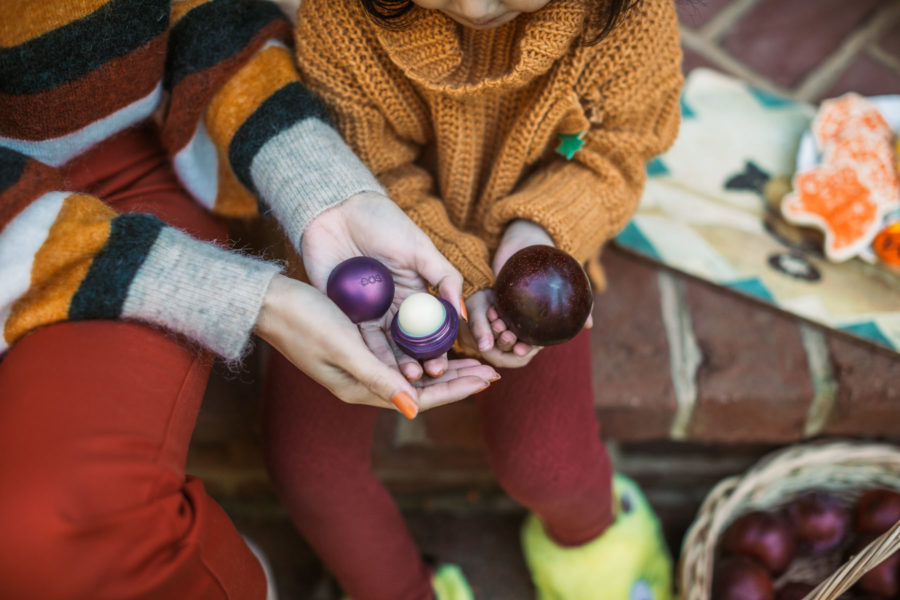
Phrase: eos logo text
(364, 281)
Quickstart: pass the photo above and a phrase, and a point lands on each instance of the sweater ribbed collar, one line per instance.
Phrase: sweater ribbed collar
(442, 55)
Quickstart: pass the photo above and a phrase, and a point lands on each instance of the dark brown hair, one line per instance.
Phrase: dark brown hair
(603, 18)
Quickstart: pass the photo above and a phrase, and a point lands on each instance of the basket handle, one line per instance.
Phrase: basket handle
(869, 557)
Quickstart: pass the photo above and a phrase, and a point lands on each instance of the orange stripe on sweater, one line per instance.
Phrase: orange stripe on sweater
(196, 89)
(37, 17)
(263, 75)
(79, 232)
(253, 84)
(233, 199)
(179, 9)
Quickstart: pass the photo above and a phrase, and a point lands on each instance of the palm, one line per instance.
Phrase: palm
(377, 228)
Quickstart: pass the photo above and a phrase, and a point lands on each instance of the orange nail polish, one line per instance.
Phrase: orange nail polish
(497, 378)
(462, 307)
(405, 405)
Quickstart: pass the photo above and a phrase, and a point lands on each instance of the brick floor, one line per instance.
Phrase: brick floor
(774, 379)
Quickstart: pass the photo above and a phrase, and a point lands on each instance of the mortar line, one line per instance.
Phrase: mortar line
(888, 60)
(824, 384)
(723, 60)
(829, 71)
(684, 352)
(722, 23)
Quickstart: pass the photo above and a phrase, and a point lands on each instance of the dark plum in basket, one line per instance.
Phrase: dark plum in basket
(740, 578)
(764, 536)
(820, 522)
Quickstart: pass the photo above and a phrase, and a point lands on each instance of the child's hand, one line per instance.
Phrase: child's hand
(505, 347)
(486, 334)
(487, 331)
(519, 234)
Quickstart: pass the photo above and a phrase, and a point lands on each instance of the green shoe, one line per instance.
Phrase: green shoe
(629, 561)
(449, 583)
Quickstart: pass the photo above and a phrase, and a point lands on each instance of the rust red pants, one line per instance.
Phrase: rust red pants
(542, 441)
(95, 422)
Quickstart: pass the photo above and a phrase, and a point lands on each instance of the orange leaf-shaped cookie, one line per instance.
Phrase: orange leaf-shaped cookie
(849, 114)
(873, 158)
(835, 200)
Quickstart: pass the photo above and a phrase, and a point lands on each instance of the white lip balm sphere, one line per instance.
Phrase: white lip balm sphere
(420, 315)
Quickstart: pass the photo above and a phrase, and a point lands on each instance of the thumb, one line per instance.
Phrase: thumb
(440, 273)
(386, 383)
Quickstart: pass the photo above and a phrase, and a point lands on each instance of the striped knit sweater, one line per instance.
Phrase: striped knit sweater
(239, 127)
(461, 126)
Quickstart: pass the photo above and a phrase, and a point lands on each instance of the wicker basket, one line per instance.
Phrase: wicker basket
(845, 469)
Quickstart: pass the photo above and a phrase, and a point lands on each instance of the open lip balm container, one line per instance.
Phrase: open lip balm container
(425, 326)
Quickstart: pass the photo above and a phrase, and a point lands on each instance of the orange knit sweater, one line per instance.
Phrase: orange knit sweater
(460, 125)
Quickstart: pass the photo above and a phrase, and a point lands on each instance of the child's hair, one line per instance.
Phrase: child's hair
(603, 19)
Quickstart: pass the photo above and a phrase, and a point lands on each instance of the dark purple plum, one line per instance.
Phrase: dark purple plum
(820, 522)
(794, 590)
(740, 578)
(543, 295)
(876, 511)
(766, 537)
(882, 580)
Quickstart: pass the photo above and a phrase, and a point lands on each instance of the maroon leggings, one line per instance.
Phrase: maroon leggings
(542, 441)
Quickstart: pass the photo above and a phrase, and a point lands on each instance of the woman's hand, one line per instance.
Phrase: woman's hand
(372, 225)
(319, 339)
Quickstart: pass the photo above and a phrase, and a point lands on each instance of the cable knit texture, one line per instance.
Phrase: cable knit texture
(461, 125)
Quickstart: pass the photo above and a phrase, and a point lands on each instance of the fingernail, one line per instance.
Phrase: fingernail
(493, 379)
(438, 374)
(463, 312)
(405, 405)
(482, 389)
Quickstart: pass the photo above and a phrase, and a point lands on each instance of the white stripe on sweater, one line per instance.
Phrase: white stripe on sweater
(197, 163)
(57, 151)
(197, 166)
(19, 242)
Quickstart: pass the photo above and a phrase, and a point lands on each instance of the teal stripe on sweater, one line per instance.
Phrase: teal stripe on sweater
(289, 105)
(69, 52)
(105, 287)
(214, 32)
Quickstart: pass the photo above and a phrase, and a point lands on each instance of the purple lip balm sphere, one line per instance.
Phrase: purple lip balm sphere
(362, 287)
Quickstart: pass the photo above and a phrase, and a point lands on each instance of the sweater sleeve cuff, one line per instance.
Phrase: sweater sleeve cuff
(305, 170)
(200, 290)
